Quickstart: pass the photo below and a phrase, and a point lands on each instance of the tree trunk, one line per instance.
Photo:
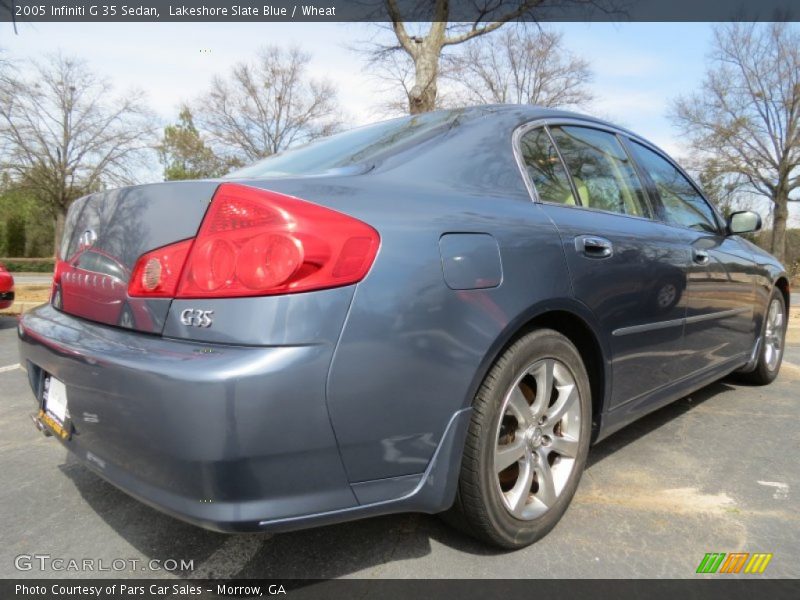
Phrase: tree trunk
(61, 216)
(422, 96)
(779, 218)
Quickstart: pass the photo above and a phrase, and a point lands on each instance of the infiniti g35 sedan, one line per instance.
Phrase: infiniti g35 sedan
(438, 313)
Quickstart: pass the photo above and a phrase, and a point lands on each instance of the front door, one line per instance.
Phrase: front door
(721, 291)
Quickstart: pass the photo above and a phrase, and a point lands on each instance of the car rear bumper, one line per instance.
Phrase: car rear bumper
(227, 437)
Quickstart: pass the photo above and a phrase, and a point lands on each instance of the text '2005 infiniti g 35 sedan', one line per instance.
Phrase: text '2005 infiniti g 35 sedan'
(437, 313)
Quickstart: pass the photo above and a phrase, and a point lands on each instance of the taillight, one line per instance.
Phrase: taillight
(157, 273)
(256, 242)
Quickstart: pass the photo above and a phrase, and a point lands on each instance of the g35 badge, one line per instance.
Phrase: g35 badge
(194, 317)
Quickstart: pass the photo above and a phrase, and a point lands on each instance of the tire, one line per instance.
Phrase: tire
(493, 503)
(773, 336)
(58, 301)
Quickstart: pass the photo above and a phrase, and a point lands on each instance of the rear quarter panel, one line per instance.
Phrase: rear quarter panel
(413, 351)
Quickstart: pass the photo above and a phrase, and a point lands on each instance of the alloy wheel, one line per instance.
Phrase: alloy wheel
(773, 335)
(537, 438)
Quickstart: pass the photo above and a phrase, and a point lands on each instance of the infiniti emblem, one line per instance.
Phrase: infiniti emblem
(87, 239)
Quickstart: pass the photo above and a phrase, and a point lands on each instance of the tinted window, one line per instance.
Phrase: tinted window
(680, 203)
(350, 147)
(601, 171)
(87, 261)
(108, 266)
(544, 168)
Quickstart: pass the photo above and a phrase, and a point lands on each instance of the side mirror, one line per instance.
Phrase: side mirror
(744, 221)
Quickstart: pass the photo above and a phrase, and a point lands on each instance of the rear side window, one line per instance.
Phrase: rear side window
(545, 169)
(603, 175)
(680, 203)
(87, 261)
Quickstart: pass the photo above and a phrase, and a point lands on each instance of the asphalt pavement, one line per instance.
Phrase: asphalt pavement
(716, 472)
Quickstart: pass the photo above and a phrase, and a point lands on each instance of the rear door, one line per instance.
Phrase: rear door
(628, 268)
(721, 282)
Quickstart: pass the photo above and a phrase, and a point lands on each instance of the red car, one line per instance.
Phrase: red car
(6, 287)
(94, 283)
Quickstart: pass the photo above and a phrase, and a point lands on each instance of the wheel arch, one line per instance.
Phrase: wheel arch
(782, 283)
(576, 323)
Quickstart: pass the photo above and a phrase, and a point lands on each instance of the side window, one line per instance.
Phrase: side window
(544, 168)
(681, 203)
(601, 170)
(87, 261)
(107, 266)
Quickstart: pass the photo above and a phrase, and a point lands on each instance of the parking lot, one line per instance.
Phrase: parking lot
(716, 472)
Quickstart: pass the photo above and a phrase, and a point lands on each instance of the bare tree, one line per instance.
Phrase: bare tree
(425, 43)
(393, 73)
(522, 66)
(745, 120)
(64, 134)
(267, 106)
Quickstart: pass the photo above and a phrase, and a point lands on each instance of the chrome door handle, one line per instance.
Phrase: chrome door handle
(700, 256)
(594, 246)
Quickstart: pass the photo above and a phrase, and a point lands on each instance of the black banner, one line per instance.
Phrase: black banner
(409, 10)
(739, 588)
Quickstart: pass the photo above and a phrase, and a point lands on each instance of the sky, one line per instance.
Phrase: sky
(639, 68)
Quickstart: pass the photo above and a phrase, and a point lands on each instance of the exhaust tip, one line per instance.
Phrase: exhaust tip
(39, 425)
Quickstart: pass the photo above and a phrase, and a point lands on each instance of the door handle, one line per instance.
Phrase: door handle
(700, 256)
(594, 246)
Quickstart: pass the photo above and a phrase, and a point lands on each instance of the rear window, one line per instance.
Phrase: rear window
(350, 147)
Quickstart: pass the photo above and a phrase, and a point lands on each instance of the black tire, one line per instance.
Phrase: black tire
(764, 373)
(57, 298)
(479, 508)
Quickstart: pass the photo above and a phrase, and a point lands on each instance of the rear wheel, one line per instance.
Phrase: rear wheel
(57, 298)
(527, 442)
(773, 334)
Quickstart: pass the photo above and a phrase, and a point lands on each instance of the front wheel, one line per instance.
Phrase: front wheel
(773, 334)
(527, 442)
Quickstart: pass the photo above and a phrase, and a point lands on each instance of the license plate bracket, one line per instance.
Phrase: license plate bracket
(54, 409)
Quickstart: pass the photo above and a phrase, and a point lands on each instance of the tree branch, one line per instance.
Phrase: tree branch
(477, 31)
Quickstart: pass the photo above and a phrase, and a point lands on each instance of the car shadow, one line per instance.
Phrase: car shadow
(649, 423)
(324, 552)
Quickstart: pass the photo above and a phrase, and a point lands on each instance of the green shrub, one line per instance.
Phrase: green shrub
(15, 235)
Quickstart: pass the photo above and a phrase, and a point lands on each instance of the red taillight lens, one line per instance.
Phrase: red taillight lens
(255, 242)
(157, 273)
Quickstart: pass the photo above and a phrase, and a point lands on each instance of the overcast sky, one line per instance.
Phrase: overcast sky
(639, 67)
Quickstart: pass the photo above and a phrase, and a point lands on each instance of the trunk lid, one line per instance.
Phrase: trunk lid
(104, 235)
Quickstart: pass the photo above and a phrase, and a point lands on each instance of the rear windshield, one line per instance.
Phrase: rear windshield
(350, 147)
